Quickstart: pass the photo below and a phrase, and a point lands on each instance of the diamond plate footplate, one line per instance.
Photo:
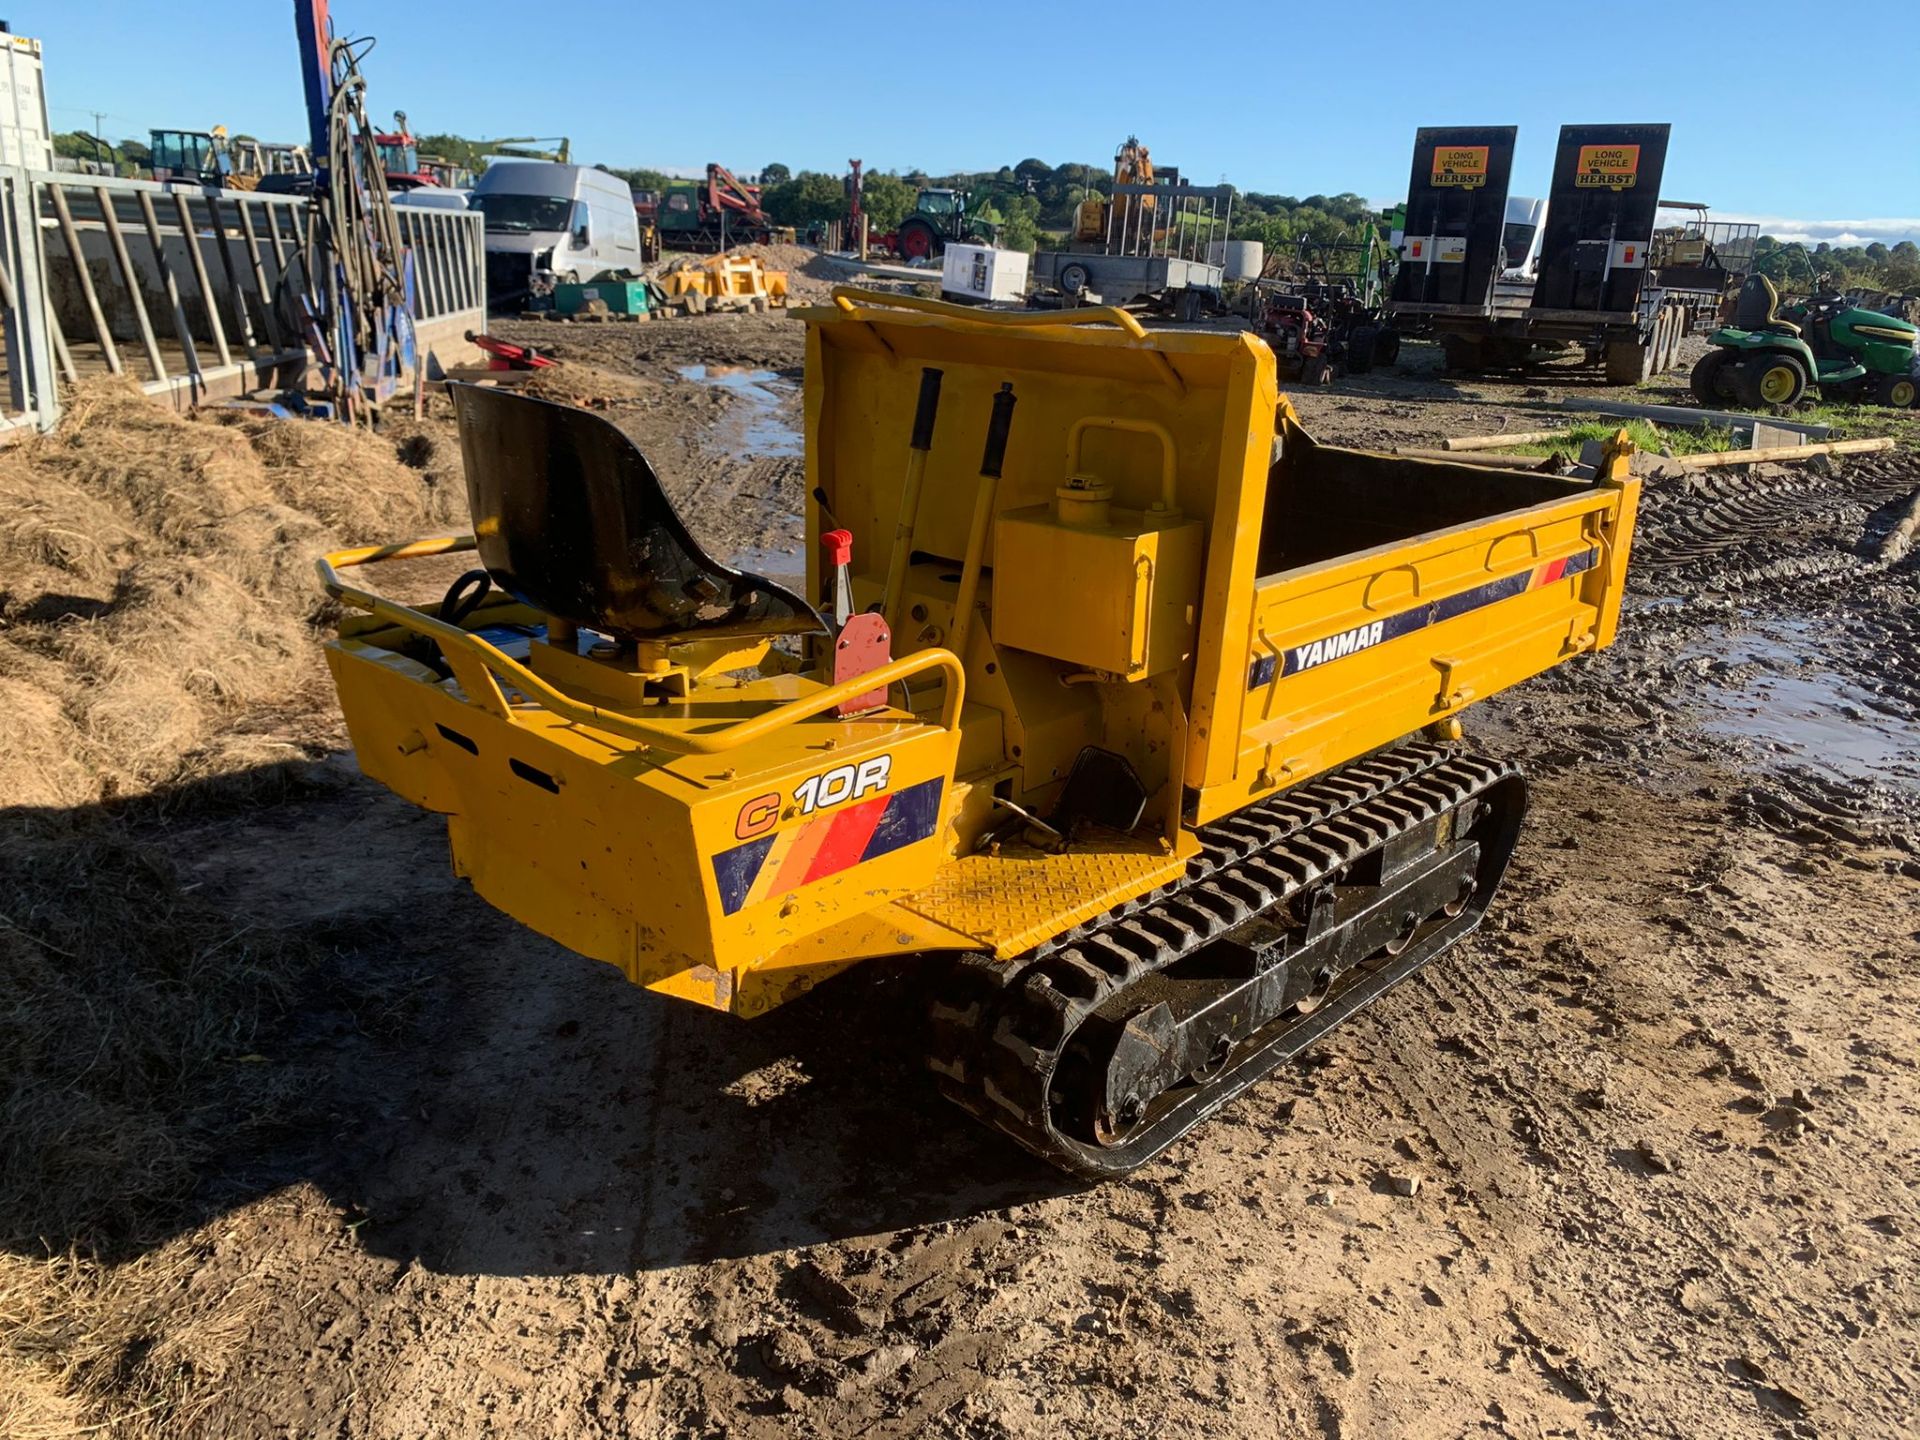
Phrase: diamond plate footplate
(1023, 897)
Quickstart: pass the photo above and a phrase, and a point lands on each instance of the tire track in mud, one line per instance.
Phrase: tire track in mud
(1767, 602)
(1569, 1127)
(1726, 534)
(1703, 521)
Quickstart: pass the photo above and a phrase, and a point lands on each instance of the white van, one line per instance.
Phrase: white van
(552, 224)
(1526, 223)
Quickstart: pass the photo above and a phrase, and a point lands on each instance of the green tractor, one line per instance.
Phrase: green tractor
(1769, 355)
(939, 218)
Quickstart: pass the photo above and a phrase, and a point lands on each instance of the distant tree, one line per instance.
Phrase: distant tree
(136, 152)
(655, 180)
(1902, 270)
(1789, 265)
(457, 148)
(775, 174)
(808, 198)
(887, 199)
(1020, 228)
(1034, 170)
(72, 145)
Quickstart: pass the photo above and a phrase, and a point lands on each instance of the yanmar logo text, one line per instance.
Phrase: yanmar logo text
(1334, 647)
(1295, 658)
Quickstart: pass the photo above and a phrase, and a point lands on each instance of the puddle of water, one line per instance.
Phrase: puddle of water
(1785, 701)
(783, 565)
(757, 426)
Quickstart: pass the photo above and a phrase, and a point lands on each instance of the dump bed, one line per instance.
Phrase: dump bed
(1341, 599)
(1392, 593)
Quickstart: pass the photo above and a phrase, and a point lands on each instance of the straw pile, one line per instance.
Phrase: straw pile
(156, 583)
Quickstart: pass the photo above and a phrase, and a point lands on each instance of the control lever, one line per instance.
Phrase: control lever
(999, 423)
(893, 594)
(839, 548)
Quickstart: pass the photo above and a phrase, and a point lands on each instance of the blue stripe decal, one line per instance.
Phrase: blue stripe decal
(1315, 653)
(910, 816)
(735, 870)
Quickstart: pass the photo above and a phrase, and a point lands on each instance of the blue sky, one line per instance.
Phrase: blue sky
(1296, 101)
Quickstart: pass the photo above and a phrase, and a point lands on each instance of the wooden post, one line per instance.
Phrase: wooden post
(1494, 442)
(1717, 459)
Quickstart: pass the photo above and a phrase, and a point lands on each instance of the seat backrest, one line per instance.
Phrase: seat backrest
(1758, 305)
(570, 519)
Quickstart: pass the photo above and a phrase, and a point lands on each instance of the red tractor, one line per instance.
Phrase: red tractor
(400, 158)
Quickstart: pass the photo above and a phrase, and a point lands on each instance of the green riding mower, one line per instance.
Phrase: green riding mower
(1769, 356)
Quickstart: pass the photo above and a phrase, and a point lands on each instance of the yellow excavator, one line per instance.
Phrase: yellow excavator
(1132, 165)
(1115, 705)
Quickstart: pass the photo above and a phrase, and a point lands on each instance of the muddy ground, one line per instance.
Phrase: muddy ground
(1664, 1110)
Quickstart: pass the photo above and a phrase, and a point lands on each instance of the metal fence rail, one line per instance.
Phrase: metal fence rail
(191, 291)
(1174, 221)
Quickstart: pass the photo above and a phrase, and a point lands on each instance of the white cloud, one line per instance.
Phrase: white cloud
(1835, 232)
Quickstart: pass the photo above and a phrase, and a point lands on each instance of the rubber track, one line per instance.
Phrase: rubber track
(1002, 1028)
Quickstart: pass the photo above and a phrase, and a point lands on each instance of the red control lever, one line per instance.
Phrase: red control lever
(839, 547)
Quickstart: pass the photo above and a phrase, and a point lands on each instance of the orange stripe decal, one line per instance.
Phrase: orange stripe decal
(806, 844)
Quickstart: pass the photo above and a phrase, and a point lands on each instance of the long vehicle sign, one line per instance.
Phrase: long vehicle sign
(1460, 167)
(1607, 167)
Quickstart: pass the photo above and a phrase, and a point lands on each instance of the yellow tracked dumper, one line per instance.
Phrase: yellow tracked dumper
(1115, 704)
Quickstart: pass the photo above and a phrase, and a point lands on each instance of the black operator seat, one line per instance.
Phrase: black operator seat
(570, 519)
(1758, 308)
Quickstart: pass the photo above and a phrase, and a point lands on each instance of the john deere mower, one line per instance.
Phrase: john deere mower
(1771, 354)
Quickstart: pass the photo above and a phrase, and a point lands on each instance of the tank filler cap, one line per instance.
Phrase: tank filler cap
(1083, 502)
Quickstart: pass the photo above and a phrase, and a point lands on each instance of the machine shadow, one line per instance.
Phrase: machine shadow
(604, 1129)
(471, 1096)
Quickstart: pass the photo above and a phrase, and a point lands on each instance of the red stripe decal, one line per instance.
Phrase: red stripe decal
(1550, 572)
(847, 839)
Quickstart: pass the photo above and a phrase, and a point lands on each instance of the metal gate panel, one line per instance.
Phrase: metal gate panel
(1456, 212)
(1600, 217)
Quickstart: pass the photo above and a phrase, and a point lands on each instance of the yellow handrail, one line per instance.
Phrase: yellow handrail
(853, 300)
(465, 645)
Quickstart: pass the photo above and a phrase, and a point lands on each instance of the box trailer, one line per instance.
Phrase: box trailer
(1154, 251)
